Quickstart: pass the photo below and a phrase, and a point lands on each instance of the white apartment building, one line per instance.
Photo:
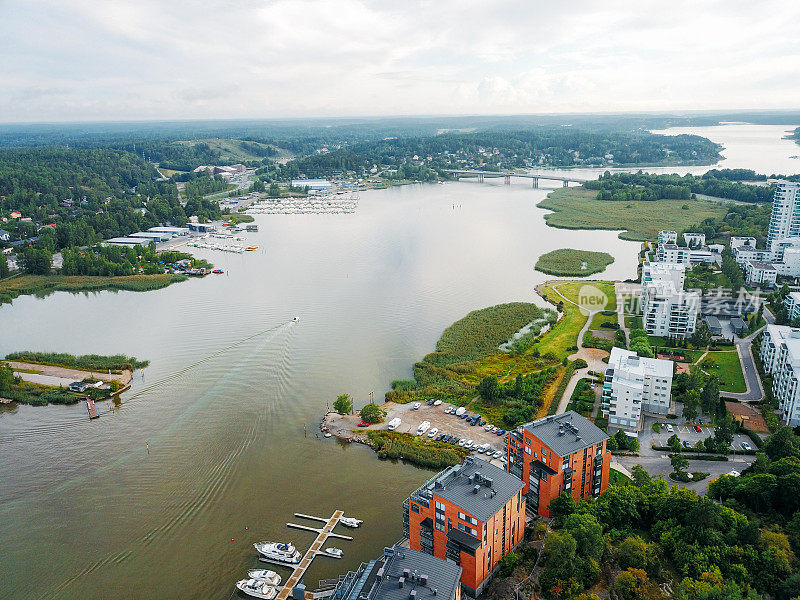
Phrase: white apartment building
(667, 237)
(742, 242)
(663, 270)
(694, 240)
(780, 353)
(784, 221)
(792, 304)
(672, 253)
(634, 384)
(668, 310)
(760, 273)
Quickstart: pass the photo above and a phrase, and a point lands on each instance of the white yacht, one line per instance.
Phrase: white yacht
(271, 577)
(350, 522)
(258, 588)
(277, 552)
(335, 552)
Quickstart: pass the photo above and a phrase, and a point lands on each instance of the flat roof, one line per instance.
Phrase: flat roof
(757, 264)
(455, 486)
(442, 575)
(712, 321)
(567, 433)
(129, 241)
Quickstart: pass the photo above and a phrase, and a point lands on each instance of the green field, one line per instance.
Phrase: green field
(43, 285)
(568, 262)
(232, 150)
(578, 208)
(728, 368)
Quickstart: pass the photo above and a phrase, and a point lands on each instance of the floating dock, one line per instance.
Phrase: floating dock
(91, 408)
(316, 548)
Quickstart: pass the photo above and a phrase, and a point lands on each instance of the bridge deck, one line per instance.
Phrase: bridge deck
(499, 174)
(313, 550)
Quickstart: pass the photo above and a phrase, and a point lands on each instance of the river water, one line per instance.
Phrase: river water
(231, 403)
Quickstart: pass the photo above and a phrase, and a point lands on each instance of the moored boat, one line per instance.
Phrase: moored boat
(257, 588)
(350, 522)
(278, 552)
(334, 552)
(271, 577)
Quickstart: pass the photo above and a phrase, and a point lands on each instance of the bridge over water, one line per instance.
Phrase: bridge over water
(534, 177)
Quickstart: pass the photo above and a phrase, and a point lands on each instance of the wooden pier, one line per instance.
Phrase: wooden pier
(316, 548)
(91, 408)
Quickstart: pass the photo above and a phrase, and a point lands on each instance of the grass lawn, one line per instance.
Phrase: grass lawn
(578, 208)
(633, 322)
(42, 285)
(728, 368)
(600, 318)
(617, 478)
(568, 262)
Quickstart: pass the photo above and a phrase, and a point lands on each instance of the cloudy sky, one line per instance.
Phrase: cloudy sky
(66, 60)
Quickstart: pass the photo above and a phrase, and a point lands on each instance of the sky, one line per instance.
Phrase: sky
(79, 60)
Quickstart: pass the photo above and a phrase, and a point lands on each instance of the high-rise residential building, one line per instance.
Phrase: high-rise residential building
(560, 453)
(472, 514)
(784, 220)
(633, 385)
(401, 574)
(668, 310)
(792, 304)
(780, 355)
(663, 270)
(667, 237)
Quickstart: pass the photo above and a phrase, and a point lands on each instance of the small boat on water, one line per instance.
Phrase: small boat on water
(251, 248)
(327, 434)
(257, 588)
(217, 271)
(334, 552)
(350, 522)
(296, 319)
(271, 577)
(278, 552)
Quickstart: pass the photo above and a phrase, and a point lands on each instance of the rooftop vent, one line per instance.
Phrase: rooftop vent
(406, 573)
(413, 595)
(476, 489)
(423, 579)
(487, 481)
(401, 582)
(561, 430)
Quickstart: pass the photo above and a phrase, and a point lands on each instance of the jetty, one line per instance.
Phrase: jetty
(91, 408)
(316, 548)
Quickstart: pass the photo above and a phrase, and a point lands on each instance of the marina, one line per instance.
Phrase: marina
(329, 204)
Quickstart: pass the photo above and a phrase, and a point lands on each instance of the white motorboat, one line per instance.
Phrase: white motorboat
(334, 552)
(271, 577)
(296, 319)
(258, 588)
(350, 522)
(278, 552)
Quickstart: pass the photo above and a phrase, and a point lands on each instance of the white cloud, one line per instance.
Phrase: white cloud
(132, 59)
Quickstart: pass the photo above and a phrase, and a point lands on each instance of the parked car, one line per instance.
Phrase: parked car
(473, 422)
(670, 428)
(746, 446)
(437, 402)
(686, 444)
(440, 437)
(454, 440)
(500, 432)
(498, 454)
(488, 428)
(464, 415)
(482, 423)
(698, 429)
(429, 401)
(416, 406)
(448, 410)
(433, 432)
(363, 424)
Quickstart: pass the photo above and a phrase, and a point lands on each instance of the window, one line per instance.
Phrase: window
(440, 526)
(528, 441)
(415, 508)
(469, 530)
(544, 451)
(527, 450)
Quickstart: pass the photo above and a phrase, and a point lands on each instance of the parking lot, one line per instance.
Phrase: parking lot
(444, 423)
(657, 462)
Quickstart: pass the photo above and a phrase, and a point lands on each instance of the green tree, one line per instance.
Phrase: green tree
(508, 563)
(691, 402)
(632, 553)
(36, 261)
(372, 413)
(679, 463)
(633, 584)
(674, 443)
(588, 534)
(488, 389)
(7, 378)
(710, 397)
(343, 404)
(701, 337)
(3, 266)
(562, 506)
(782, 444)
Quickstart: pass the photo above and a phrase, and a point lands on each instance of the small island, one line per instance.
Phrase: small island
(568, 262)
(41, 378)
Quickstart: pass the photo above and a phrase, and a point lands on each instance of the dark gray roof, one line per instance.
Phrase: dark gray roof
(712, 322)
(443, 576)
(566, 433)
(454, 485)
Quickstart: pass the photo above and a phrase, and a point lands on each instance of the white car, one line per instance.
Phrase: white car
(423, 427)
(448, 410)
(432, 433)
(498, 454)
(746, 446)
(462, 443)
(670, 428)
(416, 406)
(469, 444)
(488, 428)
(437, 402)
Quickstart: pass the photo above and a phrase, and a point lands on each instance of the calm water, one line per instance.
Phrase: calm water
(232, 400)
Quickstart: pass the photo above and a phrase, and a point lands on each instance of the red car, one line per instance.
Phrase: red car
(697, 429)
(363, 424)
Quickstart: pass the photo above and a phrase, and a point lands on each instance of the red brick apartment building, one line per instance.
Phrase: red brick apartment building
(472, 514)
(560, 453)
